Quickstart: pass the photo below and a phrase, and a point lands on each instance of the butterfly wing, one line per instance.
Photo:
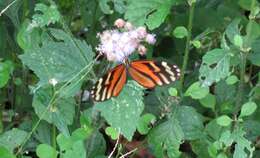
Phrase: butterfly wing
(110, 84)
(150, 73)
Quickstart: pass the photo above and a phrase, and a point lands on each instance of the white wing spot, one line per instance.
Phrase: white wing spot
(173, 78)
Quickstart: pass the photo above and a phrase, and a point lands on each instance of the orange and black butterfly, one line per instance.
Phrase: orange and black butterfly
(147, 73)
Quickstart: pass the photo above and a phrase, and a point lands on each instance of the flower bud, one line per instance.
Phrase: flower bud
(119, 23)
(129, 26)
(142, 50)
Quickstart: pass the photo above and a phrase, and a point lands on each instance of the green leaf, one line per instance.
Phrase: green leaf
(12, 139)
(112, 132)
(12, 11)
(215, 66)
(49, 14)
(254, 57)
(60, 59)
(248, 109)
(6, 68)
(196, 44)
(238, 41)
(196, 91)
(28, 37)
(104, 6)
(246, 4)
(209, 101)
(95, 145)
(232, 30)
(81, 134)
(180, 32)
(144, 122)
(123, 112)
(190, 121)
(46, 151)
(166, 137)
(224, 120)
(5, 153)
(77, 150)
(64, 142)
(213, 129)
(232, 80)
(60, 114)
(152, 13)
(173, 91)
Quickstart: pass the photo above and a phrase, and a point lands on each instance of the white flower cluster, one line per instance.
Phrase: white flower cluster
(118, 44)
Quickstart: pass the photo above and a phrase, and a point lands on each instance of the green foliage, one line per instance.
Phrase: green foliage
(6, 69)
(12, 139)
(152, 13)
(47, 15)
(167, 136)
(5, 153)
(46, 151)
(180, 32)
(197, 91)
(48, 65)
(127, 108)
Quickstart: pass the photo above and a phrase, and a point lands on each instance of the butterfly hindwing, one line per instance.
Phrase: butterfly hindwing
(110, 85)
(150, 73)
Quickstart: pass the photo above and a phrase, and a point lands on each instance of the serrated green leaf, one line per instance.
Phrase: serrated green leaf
(180, 32)
(196, 91)
(190, 121)
(12, 139)
(123, 112)
(5, 153)
(48, 14)
(152, 12)
(209, 101)
(112, 132)
(144, 122)
(59, 59)
(166, 137)
(248, 109)
(46, 151)
(215, 66)
(224, 120)
(61, 115)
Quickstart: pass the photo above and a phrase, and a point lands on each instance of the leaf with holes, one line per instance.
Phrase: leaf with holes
(215, 66)
(152, 13)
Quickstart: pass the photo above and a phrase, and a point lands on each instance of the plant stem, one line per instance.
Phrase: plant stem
(240, 94)
(187, 48)
(53, 136)
(243, 56)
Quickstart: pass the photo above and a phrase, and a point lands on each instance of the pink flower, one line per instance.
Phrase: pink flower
(119, 23)
(118, 44)
(150, 38)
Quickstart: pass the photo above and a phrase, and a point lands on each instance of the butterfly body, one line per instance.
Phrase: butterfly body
(147, 73)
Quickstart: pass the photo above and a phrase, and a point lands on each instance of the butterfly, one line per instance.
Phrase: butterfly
(147, 73)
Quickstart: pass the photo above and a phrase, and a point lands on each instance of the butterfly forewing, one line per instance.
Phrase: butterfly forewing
(110, 85)
(150, 73)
